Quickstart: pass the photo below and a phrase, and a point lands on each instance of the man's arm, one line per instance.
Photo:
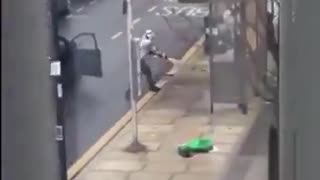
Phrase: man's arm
(154, 51)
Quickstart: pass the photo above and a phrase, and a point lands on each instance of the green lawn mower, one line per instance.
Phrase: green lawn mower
(196, 145)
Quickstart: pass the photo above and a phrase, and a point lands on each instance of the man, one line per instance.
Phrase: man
(147, 50)
(228, 26)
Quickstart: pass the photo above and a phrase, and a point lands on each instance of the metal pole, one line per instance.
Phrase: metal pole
(129, 41)
(212, 33)
(139, 73)
(58, 89)
(135, 146)
(211, 55)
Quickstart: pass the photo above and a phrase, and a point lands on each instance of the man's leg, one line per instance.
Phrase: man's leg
(145, 69)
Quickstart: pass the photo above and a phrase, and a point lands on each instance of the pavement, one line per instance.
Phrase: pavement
(180, 111)
(97, 103)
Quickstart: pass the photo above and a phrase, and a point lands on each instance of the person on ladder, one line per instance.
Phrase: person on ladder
(147, 50)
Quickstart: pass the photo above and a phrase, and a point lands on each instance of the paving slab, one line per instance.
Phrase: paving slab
(196, 176)
(226, 148)
(152, 136)
(155, 128)
(120, 142)
(156, 120)
(226, 138)
(191, 120)
(164, 157)
(213, 166)
(152, 146)
(119, 155)
(163, 113)
(119, 165)
(103, 175)
(165, 167)
(209, 157)
(149, 176)
(233, 130)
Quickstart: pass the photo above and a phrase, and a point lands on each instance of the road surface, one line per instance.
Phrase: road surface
(99, 102)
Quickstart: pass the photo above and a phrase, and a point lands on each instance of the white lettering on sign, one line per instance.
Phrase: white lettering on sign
(188, 11)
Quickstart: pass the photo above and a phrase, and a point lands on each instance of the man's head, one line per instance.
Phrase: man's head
(149, 34)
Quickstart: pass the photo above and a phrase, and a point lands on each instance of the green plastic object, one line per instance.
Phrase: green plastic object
(196, 145)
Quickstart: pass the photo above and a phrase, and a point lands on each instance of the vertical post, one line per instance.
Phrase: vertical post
(211, 55)
(139, 77)
(58, 86)
(135, 146)
(132, 97)
(240, 54)
(278, 72)
(138, 57)
(213, 32)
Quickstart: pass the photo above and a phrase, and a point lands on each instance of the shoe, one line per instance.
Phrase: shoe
(155, 89)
